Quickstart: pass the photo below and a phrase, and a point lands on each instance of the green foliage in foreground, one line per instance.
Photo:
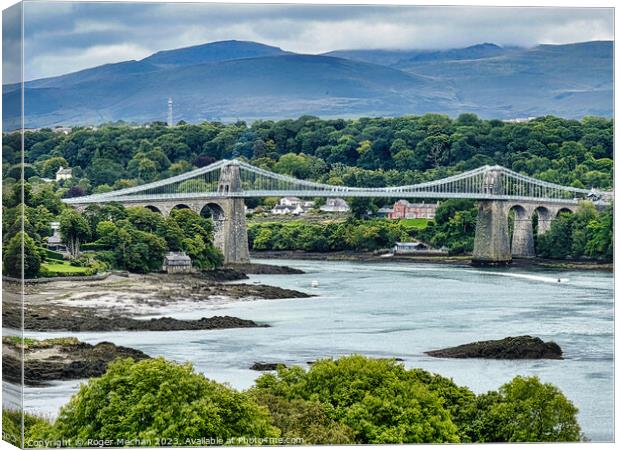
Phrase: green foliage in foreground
(34, 427)
(379, 401)
(157, 402)
(350, 400)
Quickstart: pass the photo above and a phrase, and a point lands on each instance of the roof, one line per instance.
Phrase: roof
(336, 202)
(177, 258)
(54, 239)
(64, 171)
(416, 205)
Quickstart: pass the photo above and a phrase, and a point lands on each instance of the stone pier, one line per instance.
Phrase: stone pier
(232, 231)
(492, 242)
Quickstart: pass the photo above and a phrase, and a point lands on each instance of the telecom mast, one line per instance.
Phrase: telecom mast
(170, 111)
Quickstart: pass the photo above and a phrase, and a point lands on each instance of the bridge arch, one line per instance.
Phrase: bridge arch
(542, 218)
(212, 210)
(564, 210)
(522, 237)
(153, 209)
(180, 206)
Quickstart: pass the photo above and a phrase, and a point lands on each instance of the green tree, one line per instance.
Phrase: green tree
(601, 232)
(160, 402)
(526, 410)
(74, 229)
(51, 166)
(197, 239)
(14, 258)
(455, 225)
(379, 400)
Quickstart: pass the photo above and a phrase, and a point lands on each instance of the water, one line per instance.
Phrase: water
(402, 310)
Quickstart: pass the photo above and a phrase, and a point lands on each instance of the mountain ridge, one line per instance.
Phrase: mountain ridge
(249, 80)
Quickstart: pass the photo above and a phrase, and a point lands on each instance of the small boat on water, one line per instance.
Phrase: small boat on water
(314, 283)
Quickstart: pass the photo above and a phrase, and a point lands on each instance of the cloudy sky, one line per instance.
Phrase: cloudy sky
(64, 37)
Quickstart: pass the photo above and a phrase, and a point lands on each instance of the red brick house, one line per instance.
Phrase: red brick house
(404, 210)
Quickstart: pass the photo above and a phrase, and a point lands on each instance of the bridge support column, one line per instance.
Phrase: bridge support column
(231, 234)
(492, 242)
(523, 237)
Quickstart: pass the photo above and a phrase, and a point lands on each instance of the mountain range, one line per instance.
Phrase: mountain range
(231, 80)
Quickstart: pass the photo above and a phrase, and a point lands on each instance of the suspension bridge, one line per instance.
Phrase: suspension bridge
(222, 186)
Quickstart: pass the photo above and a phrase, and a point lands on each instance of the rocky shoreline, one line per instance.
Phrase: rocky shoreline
(118, 303)
(463, 260)
(59, 359)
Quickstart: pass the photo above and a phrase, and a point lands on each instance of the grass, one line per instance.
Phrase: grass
(419, 224)
(64, 268)
(29, 343)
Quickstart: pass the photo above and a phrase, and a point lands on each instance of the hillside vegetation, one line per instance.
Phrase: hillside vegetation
(362, 152)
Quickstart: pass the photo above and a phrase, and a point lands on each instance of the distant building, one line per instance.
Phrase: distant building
(418, 248)
(177, 262)
(335, 205)
(63, 130)
(385, 211)
(519, 119)
(404, 210)
(290, 201)
(284, 209)
(54, 242)
(64, 174)
(292, 205)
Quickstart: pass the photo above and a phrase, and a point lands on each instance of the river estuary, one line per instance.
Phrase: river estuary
(402, 310)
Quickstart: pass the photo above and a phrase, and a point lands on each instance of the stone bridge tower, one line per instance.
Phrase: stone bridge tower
(492, 241)
(231, 232)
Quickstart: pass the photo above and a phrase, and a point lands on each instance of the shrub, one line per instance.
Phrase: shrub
(379, 400)
(50, 254)
(160, 402)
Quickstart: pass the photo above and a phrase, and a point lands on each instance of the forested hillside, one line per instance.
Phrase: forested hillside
(363, 152)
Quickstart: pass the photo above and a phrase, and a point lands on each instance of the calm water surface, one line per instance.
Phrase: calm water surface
(402, 310)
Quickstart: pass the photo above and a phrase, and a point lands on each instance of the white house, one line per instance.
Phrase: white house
(284, 209)
(292, 205)
(290, 201)
(64, 174)
(335, 205)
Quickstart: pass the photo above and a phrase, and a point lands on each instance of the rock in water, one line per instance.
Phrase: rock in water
(265, 366)
(519, 347)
